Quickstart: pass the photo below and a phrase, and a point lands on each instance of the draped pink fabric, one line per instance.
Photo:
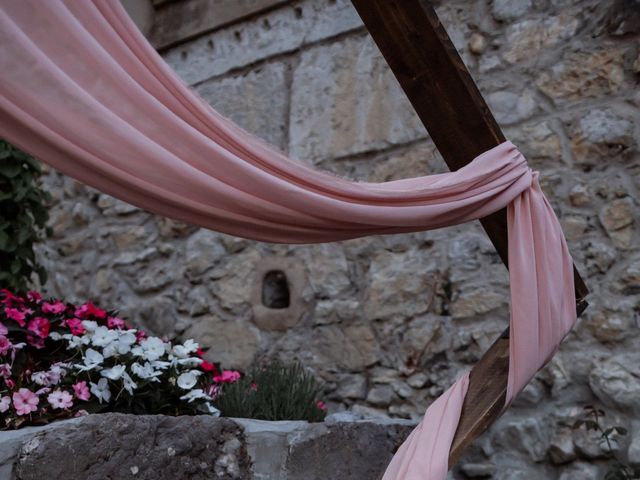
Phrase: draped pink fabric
(82, 90)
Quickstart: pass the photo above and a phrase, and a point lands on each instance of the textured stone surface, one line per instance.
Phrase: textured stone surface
(257, 101)
(159, 447)
(345, 100)
(388, 322)
(124, 446)
(177, 21)
(616, 381)
(284, 31)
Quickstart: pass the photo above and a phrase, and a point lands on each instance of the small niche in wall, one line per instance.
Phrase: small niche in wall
(275, 290)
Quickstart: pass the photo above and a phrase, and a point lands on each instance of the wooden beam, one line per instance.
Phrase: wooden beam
(449, 104)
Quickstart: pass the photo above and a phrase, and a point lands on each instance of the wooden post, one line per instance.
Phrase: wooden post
(449, 104)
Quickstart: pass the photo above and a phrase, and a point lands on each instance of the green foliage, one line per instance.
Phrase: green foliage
(591, 420)
(276, 391)
(23, 215)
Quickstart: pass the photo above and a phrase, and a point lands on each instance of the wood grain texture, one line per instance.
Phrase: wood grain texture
(448, 102)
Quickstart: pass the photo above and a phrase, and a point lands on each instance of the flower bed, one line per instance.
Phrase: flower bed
(59, 360)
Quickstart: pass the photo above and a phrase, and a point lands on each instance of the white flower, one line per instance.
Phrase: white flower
(160, 365)
(206, 407)
(5, 402)
(145, 371)
(183, 351)
(113, 373)
(195, 394)
(51, 377)
(75, 342)
(39, 377)
(151, 349)
(189, 362)
(122, 344)
(129, 384)
(92, 359)
(89, 325)
(102, 337)
(188, 380)
(101, 390)
(55, 336)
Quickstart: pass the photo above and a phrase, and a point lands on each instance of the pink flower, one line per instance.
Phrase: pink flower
(90, 310)
(213, 390)
(35, 342)
(3, 330)
(15, 315)
(60, 399)
(10, 383)
(253, 387)
(43, 390)
(25, 401)
(75, 325)
(115, 323)
(5, 345)
(39, 326)
(5, 370)
(321, 405)
(227, 376)
(82, 391)
(34, 296)
(54, 308)
(5, 402)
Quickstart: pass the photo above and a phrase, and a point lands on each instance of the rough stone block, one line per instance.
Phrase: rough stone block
(179, 20)
(285, 30)
(295, 278)
(345, 100)
(257, 101)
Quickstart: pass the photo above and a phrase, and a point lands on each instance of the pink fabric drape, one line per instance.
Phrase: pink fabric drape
(82, 90)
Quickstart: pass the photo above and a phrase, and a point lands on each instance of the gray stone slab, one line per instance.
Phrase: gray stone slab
(176, 21)
(257, 101)
(284, 30)
(345, 100)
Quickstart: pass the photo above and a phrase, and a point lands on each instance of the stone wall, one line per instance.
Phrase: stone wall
(389, 322)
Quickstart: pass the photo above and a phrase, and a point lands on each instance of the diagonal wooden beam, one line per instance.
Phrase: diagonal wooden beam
(447, 100)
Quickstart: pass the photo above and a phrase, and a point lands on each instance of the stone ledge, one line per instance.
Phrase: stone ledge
(160, 447)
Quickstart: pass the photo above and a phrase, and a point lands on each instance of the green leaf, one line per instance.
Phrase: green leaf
(10, 169)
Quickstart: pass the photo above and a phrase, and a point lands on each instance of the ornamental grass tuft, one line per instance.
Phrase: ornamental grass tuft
(275, 391)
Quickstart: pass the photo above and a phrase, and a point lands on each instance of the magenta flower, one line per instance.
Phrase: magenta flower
(39, 326)
(15, 315)
(82, 391)
(10, 298)
(140, 335)
(59, 399)
(90, 310)
(75, 325)
(115, 323)
(54, 308)
(321, 405)
(34, 296)
(227, 376)
(25, 401)
(5, 345)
